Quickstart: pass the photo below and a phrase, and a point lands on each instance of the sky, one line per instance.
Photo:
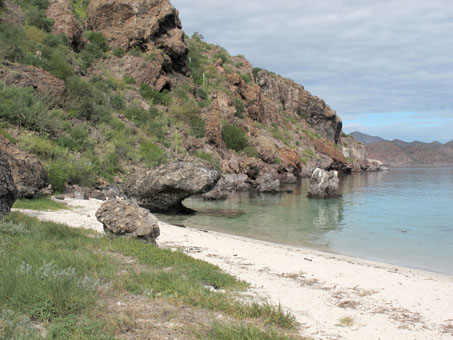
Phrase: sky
(385, 66)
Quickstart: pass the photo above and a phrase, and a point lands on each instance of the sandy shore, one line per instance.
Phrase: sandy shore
(320, 289)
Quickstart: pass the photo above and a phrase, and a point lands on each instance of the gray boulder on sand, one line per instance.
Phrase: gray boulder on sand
(163, 189)
(124, 218)
(8, 190)
(324, 184)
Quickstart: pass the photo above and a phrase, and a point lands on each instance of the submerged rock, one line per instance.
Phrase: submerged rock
(324, 184)
(163, 189)
(8, 190)
(128, 219)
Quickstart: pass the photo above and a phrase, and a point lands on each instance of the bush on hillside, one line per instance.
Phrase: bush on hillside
(234, 137)
(159, 98)
(20, 107)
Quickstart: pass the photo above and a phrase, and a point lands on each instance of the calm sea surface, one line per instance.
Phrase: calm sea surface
(402, 216)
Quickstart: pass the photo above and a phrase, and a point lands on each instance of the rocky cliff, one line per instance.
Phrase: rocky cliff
(118, 88)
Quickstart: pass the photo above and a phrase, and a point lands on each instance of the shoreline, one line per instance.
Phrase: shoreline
(321, 289)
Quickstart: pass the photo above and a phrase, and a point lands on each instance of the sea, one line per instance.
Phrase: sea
(403, 216)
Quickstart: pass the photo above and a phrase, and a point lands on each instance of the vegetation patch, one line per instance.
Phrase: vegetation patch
(41, 203)
(234, 137)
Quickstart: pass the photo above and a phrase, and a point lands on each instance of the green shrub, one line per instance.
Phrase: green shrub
(135, 51)
(21, 108)
(197, 127)
(117, 102)
(98, 39)
(256, 70)
(159, 98)
(119, 52)
(221, 55)
(246, 77)
(44, 148)
(37, 17)
(152, 154)
(208, 157)
(14, 326)
(53, 40)
(79, 7)
(129, 79)
(234, 137)
(10, 49)
(240, 108)
(59, 67)
(250, 151)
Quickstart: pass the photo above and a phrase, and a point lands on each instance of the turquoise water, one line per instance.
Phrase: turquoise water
(402, 216)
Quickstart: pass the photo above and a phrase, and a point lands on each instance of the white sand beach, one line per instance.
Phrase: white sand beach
(332, 296)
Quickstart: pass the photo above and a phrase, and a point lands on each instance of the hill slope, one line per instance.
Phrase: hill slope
(102, 90)
(365, 139)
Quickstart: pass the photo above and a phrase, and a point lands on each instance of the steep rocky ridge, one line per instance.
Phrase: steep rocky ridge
(146, 24)
(152, 95)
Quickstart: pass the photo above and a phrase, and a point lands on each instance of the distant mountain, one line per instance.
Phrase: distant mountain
(365, 139)
(399, 153)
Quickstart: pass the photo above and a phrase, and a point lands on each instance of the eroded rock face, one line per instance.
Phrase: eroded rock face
(146, 24)
(163, 189)
(8, 190)
(124, 218)
(29, 76)
(27, 171)
(279, 93)
(65, 22)
(324, 184)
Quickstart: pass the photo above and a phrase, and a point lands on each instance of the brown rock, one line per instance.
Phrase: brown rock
(8, 190)
(279, 94)
(29, 76)
(150, 71)
(267, 150)
(147, 24)
(213, 127)
(128, 219)
(65, 22)
(28, 173)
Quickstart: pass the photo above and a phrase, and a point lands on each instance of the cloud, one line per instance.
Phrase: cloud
(361, 56)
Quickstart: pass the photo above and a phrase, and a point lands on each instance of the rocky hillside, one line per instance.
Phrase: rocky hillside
(103, 90)
(365, 139)
(398, 153)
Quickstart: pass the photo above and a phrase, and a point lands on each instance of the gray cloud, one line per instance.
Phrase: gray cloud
(359, 55)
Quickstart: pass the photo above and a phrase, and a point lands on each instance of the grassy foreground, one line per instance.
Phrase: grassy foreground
(65, 283)
(41, 203)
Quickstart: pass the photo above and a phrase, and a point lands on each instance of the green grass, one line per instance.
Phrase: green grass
(41, 203)
(52, 274)
(222, 331)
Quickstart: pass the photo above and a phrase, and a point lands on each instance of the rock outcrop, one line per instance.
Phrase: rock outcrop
(279, 94)
(124, 218)
(8, 190)
(65, 22)
(146, 24)
(30, 76)
(164, 188)
(324, 184)
(28, 173)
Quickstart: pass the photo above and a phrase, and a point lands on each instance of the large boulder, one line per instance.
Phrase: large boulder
(28, 173)
(146, 24)
(124, 218)
(163, 189)
(8, 190)
(324, 184)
